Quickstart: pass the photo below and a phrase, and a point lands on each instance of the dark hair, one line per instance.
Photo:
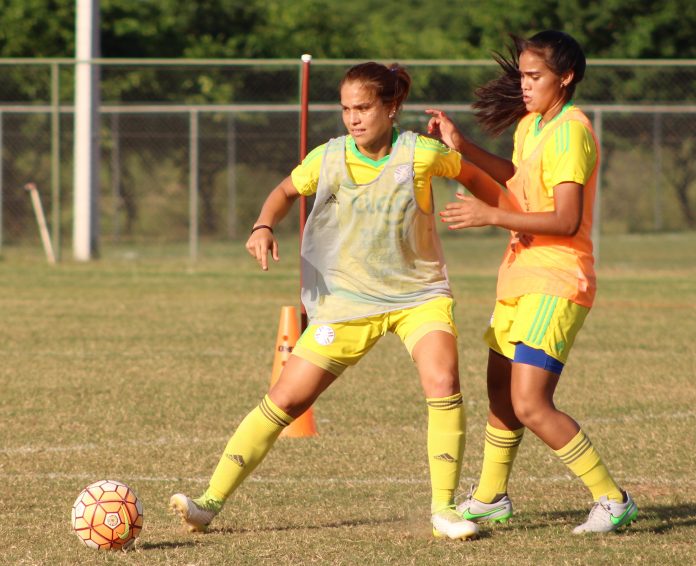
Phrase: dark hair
(499, 102)
(390, 84)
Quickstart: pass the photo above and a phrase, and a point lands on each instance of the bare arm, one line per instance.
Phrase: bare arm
(564, 220)
(274, 209)
(442, 127)
(484, 187)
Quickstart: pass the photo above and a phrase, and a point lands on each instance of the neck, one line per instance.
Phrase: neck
(377, 149)
(553, 111)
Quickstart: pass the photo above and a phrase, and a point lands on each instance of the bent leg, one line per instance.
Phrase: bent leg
(298, 386)
(532, 392)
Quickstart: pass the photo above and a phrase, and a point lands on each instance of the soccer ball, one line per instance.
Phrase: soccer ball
(107, 515)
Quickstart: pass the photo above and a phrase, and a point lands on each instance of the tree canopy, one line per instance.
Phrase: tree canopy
(399, 29)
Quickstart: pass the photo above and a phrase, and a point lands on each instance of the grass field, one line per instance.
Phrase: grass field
(138, 368)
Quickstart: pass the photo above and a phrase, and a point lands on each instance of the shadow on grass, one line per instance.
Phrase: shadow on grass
(163, 545)
(331, 525)
(426, 530)
(669, 517)
(653, 519)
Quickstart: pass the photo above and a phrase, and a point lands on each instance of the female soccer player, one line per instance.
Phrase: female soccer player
(546, 283)
(371, 264)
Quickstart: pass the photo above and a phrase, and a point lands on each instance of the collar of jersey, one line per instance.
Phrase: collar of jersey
(378, 163)
(538, 131)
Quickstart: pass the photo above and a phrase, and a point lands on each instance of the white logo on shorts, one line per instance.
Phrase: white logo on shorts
(403, 173)
(324, 335)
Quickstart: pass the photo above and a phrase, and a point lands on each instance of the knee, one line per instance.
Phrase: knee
(288, 403)
(529, 413)
(441, 384)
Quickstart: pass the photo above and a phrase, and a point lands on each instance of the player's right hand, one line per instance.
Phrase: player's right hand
(441, 126)
(259, 244)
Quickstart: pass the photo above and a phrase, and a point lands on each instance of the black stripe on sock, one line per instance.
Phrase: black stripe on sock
(502, 441)
(445, 404)
(271, 415)
(572, 455)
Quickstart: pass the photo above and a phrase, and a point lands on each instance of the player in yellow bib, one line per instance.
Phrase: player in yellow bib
(371, 264)
(546, 282)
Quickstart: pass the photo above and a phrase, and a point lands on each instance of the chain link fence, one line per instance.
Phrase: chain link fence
(223, 133)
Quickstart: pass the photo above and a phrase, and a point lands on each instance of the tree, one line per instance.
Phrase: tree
(356, 29)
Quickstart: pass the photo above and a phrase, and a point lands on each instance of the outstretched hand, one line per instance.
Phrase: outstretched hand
(441, 126)
(469, 212)
(259, 244)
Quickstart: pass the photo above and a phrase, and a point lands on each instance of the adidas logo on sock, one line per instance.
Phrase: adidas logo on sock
(445, 458)
(237, 459)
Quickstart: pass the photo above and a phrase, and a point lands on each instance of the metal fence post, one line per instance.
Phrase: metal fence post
(1, 176)
(657, 170)
(231, 176)
(193, 185)
(55, 159)
(116, 175)
(597, 211)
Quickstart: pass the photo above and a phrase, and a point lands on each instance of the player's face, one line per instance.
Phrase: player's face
(366, 118)
(541, 87)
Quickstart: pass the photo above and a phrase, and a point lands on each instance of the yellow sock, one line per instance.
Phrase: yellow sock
(584, 461)
(499, 452)
(446, 430)
(247, 448)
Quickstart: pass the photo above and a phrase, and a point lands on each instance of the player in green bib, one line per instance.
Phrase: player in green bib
(371, 264)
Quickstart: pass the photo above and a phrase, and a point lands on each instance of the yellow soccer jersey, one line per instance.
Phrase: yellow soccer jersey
(570, 155)
(431, 159)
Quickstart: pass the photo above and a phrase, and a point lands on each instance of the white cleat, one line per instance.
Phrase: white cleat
(195, 517)
(608, 515)
(477, 511)
(450, 524)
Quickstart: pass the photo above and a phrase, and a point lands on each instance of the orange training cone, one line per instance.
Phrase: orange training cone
(288, 334)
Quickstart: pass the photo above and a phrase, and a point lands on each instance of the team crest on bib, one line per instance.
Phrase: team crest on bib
(324, 335)
(403, 173)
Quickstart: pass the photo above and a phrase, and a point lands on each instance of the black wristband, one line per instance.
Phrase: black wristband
(261, 226)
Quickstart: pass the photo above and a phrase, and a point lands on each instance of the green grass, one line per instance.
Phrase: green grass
(138, 366)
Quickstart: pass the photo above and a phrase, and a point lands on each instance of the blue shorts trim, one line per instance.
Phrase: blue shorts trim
(533, 357)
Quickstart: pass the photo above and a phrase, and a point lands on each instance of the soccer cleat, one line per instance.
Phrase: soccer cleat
(195, 514)
(477, 511)
(608, 515)
(450, 524)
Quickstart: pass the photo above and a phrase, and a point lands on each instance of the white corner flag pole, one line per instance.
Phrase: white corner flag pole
(41, 221)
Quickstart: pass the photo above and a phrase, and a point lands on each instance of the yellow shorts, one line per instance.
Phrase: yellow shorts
(338, 345)
(543, 322)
